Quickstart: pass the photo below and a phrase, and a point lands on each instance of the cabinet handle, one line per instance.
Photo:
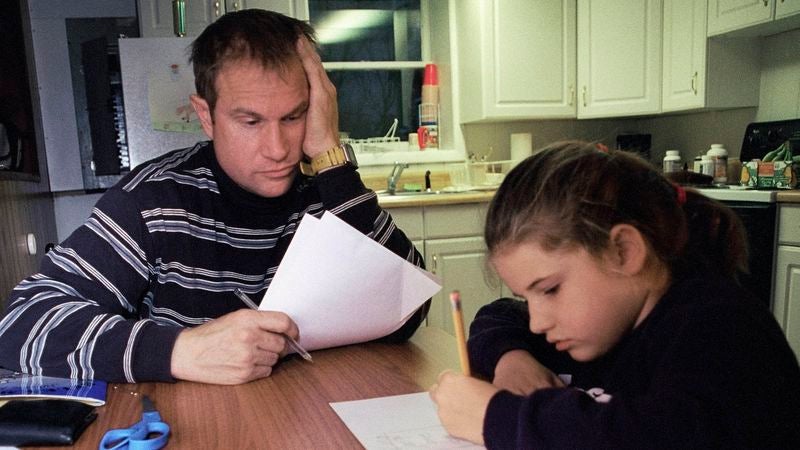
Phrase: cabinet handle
(179, 17)
(584, 96)
(433, 266)
(766, 3)
(216, 9)
(235, 6)
(694, 83)
(571, 95)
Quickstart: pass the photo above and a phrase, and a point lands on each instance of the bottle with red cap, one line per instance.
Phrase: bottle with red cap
(428, 131)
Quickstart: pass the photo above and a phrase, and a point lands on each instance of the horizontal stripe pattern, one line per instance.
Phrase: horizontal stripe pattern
(165, 248)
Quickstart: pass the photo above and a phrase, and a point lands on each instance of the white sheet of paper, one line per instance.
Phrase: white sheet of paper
(397, 422)
(341, 287)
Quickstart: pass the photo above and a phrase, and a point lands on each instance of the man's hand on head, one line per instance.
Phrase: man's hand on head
(322, 118)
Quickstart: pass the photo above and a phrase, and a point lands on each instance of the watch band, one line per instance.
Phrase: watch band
(339, 155)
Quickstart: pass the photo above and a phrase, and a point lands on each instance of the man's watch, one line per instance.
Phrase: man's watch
(339, 155)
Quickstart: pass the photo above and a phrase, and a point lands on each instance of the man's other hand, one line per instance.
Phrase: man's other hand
(236, 348)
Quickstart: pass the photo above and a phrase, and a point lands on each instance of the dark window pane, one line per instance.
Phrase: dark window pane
(367, 30)
(369, 101)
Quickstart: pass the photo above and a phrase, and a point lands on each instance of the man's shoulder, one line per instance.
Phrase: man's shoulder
(185, 166)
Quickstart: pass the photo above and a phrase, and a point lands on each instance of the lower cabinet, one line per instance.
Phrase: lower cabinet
(786, 304)
(461, 263)
(450, 237)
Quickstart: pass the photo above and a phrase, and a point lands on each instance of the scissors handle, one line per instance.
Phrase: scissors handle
(135, 437)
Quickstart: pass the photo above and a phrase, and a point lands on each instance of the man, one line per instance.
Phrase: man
(143, 291)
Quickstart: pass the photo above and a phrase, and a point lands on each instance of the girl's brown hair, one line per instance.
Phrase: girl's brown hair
(571, 194)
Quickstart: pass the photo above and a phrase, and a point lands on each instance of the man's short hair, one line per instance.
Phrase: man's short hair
(250, 34)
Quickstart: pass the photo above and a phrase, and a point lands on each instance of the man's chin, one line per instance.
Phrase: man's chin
(273, 187)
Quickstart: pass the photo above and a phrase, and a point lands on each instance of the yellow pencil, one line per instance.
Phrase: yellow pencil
(458, 323)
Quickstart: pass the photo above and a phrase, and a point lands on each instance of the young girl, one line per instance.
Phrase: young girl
(634, 333)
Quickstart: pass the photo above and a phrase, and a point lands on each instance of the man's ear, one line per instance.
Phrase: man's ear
(628, 249)
(203, 112)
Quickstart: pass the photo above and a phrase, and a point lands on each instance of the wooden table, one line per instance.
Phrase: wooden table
(290, 408)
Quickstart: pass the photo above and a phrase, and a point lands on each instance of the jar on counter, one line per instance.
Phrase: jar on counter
(672, 161)
(719, 155)
(706, 165)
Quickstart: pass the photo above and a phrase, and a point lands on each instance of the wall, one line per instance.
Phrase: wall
(26, 206)
(780, 77)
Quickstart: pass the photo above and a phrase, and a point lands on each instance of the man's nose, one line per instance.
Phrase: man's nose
(273, 144)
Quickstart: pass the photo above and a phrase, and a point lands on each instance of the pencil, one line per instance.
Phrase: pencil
(293, 344)
(458, 323)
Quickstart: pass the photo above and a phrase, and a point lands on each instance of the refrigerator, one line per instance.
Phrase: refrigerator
(157, 81)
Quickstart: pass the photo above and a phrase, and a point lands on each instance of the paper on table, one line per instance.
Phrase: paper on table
(341, 287)
(397, 422)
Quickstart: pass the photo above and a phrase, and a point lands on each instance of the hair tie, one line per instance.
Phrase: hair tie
(680, 194)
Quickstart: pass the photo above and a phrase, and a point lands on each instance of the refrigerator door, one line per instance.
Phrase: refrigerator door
(157, 80)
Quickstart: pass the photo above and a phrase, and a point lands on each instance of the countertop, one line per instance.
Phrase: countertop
(788, 196)
(402, 201)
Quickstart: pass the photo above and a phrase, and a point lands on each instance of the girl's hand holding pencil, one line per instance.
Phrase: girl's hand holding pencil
(461, 399)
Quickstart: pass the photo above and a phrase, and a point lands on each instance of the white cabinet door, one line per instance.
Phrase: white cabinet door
(684, 54)
(292, 8)
(516, 59)
(155, 16)
(786, 305)
(699, 72)
(461, 263)
(728, 15)
(619, 57)
(786, 8)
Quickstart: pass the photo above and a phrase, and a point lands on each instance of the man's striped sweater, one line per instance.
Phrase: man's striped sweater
(162, 250)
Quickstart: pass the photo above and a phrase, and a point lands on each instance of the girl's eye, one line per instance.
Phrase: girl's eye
(552, 290)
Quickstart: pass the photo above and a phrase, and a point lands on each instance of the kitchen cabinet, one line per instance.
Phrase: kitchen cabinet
(155, 16)
(619, 58)
(452, 242)
(786, 303)
(730, 15)
(699, 72)
(516, 59)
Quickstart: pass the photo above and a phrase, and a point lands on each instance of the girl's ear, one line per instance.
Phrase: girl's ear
(628, 249)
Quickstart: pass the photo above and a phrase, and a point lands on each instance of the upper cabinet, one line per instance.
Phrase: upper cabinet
(516, 59)
(619, 57)
(699, 72)
(732, 15)
(156, 16)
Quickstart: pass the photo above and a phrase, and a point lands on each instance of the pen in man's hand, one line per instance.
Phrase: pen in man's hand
(458, 324)
(289, 340)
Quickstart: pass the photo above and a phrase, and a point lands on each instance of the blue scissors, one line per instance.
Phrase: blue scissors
(136, 437)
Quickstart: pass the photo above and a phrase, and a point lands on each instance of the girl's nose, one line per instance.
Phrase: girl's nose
(539, 322)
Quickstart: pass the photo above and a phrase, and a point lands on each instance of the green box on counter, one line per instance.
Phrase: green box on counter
(771, 175)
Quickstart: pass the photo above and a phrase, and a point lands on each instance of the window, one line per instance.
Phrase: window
(372, 50)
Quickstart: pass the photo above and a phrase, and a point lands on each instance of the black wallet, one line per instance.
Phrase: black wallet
(43, 422)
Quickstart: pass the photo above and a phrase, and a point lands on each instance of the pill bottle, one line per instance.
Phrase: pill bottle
(719, 155)
(706, 165)
(696, 168)
(672, 161)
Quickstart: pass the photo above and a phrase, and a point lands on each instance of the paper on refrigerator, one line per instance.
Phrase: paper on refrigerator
(341, 287)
